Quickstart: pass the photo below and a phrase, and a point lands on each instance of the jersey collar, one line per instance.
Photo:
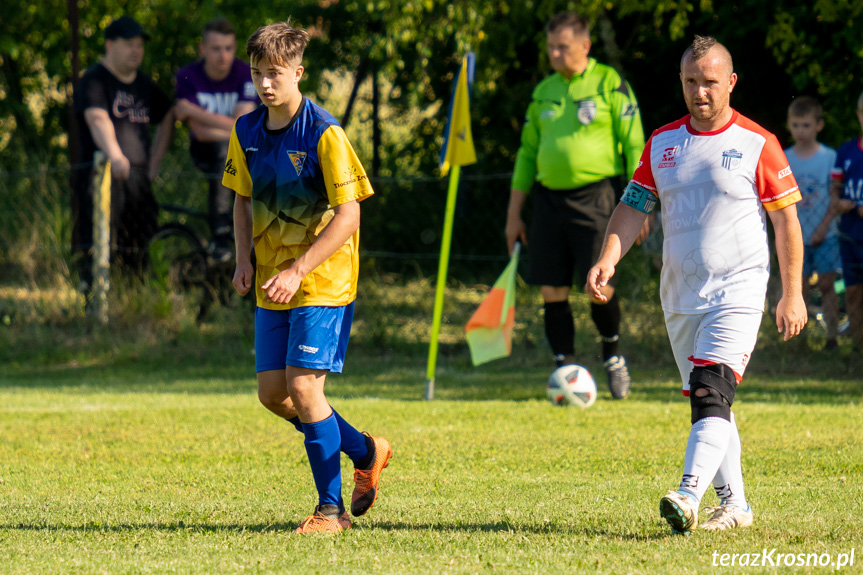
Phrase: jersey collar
(591, 64)
(695, 132)
(289, 124)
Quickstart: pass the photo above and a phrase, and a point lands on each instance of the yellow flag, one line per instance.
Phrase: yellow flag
(458, 147)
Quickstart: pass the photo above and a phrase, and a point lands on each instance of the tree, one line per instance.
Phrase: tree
(781, 49)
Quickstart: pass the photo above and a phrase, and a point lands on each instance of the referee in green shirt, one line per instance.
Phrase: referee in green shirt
(581, 134)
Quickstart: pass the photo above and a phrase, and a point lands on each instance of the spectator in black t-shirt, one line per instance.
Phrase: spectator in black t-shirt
(118, 106)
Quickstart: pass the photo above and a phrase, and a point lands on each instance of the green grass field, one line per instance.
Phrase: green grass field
(147, 452)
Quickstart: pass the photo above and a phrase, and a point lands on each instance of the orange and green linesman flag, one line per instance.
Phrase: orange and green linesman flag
(458, 147)
(489, 330)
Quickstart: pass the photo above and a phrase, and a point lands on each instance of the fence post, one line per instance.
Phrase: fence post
(101, 236)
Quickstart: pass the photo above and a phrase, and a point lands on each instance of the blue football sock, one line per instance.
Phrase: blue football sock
(322, 447)
(353, 442)
(295, 421)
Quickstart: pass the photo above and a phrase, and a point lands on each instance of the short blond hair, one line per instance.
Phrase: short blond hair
(860, 102)
(280, 43)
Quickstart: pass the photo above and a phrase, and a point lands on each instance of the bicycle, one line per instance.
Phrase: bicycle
(188, 264)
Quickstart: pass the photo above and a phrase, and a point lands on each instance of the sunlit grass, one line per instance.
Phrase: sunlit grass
(140, 447)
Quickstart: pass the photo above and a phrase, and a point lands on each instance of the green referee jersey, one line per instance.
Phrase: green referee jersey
(579, 131)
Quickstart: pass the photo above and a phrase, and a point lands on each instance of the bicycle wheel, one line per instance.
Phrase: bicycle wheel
(178, 258)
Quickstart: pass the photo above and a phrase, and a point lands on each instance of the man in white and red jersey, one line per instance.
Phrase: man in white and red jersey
(718, 175)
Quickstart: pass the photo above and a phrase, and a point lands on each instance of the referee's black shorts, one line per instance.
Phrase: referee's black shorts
(567, 231)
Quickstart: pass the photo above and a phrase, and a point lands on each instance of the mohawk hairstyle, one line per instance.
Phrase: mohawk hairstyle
(699, 48)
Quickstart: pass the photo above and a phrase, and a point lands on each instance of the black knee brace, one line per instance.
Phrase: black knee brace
(721, 384)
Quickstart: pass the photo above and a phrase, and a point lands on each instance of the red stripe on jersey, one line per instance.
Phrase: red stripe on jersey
(705, 362)
(643, 175)
(694, 132)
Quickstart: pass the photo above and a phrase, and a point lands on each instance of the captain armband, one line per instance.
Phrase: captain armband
(639, 198)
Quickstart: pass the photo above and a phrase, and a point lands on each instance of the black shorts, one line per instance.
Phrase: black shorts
(567, 231)
(133, 220)
(209, 157)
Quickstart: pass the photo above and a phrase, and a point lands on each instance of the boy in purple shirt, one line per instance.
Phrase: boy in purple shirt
(211, 94)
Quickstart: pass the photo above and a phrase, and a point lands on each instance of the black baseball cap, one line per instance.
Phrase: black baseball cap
(125, 27)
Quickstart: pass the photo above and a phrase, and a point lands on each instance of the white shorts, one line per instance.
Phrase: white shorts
(723, 335)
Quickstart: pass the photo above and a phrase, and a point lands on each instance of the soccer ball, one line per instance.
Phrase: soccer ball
(571, 385)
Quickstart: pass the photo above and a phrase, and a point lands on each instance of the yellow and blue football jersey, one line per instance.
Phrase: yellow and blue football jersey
(294, 176)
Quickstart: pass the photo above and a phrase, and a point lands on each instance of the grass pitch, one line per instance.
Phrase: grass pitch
(147, 452)
(142, 474)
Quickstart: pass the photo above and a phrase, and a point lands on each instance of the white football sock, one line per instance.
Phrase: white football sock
(705, 450)
(728, 482)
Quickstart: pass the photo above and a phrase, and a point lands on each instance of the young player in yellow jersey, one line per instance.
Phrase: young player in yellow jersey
(299, 185)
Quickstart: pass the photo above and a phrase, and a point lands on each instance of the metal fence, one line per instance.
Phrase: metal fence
(400, 246)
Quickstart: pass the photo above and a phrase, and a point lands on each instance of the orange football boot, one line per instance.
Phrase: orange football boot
(325, 519)
(366, 490)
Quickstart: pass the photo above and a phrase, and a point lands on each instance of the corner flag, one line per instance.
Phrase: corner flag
(457, 151)
(458, 147)
(489, 330)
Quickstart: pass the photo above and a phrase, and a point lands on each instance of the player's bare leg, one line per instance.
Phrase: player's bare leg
(273, 393)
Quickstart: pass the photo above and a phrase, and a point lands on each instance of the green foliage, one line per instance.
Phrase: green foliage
(819, 48)
(783, 49)
(34, 227)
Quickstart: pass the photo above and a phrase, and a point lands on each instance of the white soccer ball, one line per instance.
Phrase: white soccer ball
(571, 385)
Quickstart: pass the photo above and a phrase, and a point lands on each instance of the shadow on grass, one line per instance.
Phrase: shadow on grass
(142, 354)
(518, 378)
(394, 526)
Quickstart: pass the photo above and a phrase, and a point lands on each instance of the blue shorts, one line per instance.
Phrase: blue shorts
(313, 337)
(823, 259)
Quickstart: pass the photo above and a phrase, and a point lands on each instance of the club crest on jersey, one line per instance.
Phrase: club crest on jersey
(731, 159)
(297, 159)
(586, 111)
